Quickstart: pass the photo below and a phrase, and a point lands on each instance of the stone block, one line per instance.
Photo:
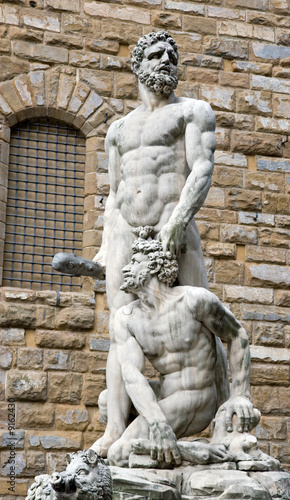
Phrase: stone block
(80, 361)
(224, 13)
(227, 48)
(253, 295)
(270, 428)
(199, 25)
(69, 41)
(115, 29)
(35, 415)
(254, 218)
(215, 198)
(230, 159)
(48, 22)
(275, 238)
(264, 33)
(41, 52)
(117, 12)
(276, 203)
(54, 441)
(269, 314)
(282, 221)
(214, 215)
(277, 483)
(256, 143)
(272, 53)
(10, 68)
(265, 182)
(75, 318)
(272, 164)
(12, 336)
(71, 418)
(64, 340)
(219, 98)
(104, 46)
(208, 231)
(65, 388)
(227, 271)
(10, 96)
(28, 385)
(56, 360)
(238, 234)
(221, 250)
(99, 344)
(18, 439)
(262, 254)
(266, 124)
(166, 20)
(93, 385)
(125, 86)
(21, 85)
(18, 316)
(65, 90)
(235, 28)
(233, 80)
(222, 138)
(282, 298)
(99, 81)
(281, 106)
(267, 374)
(255, 102)
(271, 399)
(10, 14)
(84, 59)
(29, 358)
(6, 357)
(68, 5)
(268, 334)
(252, 67)
(268, 275)
(242, 199)
(185, 7)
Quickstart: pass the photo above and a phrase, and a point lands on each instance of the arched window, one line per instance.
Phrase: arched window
(45, 203)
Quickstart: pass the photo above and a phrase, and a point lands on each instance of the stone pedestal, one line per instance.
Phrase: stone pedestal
(215, 482)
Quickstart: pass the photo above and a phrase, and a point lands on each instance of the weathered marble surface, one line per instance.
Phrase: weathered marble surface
(217, 482)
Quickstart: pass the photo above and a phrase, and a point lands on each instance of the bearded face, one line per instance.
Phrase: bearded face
(158, 68)
(135, 273)
(158, 81)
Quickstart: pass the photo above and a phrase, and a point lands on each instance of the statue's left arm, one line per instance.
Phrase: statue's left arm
(200, 144)
(220, 321)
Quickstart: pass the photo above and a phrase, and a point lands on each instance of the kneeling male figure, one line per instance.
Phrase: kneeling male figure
(174, 329)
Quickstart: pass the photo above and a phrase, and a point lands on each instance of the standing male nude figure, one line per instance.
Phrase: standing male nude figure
(160, 166)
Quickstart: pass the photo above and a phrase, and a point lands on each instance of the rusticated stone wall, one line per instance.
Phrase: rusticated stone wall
(69, 60)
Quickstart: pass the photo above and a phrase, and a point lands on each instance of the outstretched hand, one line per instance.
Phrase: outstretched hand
(163, 446)
(173, 238)
(243, 408)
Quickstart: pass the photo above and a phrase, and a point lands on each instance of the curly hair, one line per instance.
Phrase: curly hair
(163, 264)
(146, 41)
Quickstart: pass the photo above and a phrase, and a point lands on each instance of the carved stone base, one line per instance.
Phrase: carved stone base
(215, 482)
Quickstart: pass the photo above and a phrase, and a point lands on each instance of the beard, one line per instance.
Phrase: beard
(159, 83)
(130, 284)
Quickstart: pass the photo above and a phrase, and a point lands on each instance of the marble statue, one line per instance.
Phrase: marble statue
(160, 165)
(86, 478)
(174, 327)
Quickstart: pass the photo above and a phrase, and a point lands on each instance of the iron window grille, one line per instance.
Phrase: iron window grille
(45, 203)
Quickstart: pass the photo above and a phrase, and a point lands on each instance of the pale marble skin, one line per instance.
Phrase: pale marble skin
(160, 166)
(173, 328)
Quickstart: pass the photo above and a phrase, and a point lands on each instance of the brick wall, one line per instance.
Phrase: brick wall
(69, 59)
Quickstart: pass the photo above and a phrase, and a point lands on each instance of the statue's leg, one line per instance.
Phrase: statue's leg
(118, 402)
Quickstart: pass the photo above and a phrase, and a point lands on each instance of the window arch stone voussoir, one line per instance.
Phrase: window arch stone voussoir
(59, 95)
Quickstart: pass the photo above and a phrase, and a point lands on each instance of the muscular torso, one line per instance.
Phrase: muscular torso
(181, 348)
(152, 164)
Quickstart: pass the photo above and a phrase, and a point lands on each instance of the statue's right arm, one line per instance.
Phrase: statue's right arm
(110, 209)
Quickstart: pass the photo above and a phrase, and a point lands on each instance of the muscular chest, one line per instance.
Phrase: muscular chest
(168, 333)
(148, 129)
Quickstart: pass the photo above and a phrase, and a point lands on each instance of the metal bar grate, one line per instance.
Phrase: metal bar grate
(45, 203)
